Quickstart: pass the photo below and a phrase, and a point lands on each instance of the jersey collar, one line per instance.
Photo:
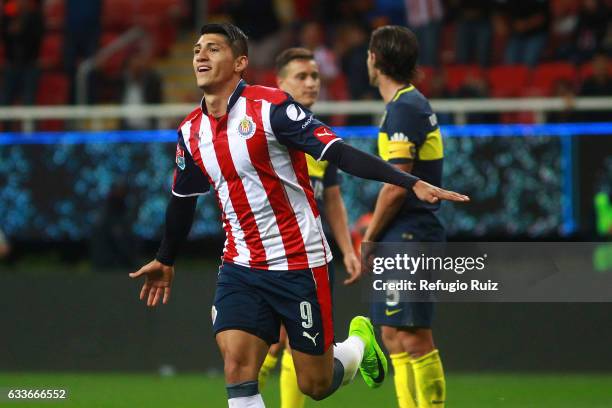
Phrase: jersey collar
(232, 99)
(401, 91)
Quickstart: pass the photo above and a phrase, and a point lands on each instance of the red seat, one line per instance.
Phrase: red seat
(423, 80)
(115, 63)
(117, 14)
(52, 89)
(545, 76)
(51, 51)
(267, 78)
(54, 11)
(586, 71)
(338, 88)
(508, 80)
(456, 75)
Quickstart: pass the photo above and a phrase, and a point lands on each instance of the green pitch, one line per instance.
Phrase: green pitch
(191, 390)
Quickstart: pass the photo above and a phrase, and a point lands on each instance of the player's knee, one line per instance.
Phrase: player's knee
(416, 344)
(316, 388)
(390, 339)
(237, 368)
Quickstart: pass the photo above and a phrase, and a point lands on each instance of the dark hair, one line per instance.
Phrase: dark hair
(235, 37)
(396, 49)
(284, 58)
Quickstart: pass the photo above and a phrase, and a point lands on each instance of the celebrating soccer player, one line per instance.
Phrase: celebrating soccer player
(410, 139)
(298, 75)
(248, 143)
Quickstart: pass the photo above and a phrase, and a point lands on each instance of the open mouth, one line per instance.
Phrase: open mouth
(203, 68)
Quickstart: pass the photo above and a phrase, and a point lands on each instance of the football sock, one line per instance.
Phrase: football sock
(429, 380)
(290, 394)
(267, 366)
(403, 378)
(244, 395)
(349, 353)
(347, 358)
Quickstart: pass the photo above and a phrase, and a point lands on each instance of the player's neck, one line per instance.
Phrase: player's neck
(216, 98)
(388, 88)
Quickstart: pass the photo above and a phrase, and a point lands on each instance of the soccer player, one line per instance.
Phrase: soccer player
(298, 75)
(410, 139)
(248, 143)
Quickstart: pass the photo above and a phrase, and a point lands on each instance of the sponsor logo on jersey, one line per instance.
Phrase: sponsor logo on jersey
(295, 113)
(180, 157)
(246, 127)
(433, 119)
(308, 121)
(324, 134)
(392, 312)
(399, 137)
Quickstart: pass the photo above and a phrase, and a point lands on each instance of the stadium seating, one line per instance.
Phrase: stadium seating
(51, 51)
(456, 75)
(424, 77)
(545, 76)
(586, 70)
(508, 80)
(54, 12)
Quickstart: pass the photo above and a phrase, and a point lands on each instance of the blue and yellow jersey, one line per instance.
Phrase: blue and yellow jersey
(322, 175)
(409, 132)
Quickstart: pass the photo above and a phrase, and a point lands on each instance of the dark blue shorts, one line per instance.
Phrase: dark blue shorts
(258, 301)
(419, 227)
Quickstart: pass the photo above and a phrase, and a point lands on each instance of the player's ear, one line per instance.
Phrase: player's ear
(371, 57)
(241, 63)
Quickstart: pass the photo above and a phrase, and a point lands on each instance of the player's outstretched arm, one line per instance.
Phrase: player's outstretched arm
(159, 273)
(367, 166)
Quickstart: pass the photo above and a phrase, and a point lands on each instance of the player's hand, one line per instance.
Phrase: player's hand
(367, 256)
(158, 280)
(353, 268)
(432, 194)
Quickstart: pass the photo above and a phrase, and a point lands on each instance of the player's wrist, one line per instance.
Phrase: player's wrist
(164, 260)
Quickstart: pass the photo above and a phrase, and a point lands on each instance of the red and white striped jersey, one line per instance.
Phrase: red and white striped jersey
(254, 159)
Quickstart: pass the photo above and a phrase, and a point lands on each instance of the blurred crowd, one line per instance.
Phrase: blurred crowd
(462, 43)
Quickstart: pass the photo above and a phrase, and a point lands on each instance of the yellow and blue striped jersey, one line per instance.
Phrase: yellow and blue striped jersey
(409, 132)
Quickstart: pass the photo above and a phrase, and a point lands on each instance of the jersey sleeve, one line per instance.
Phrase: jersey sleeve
(189, 179)
(405, 129)
(330, 178)
(295, 126)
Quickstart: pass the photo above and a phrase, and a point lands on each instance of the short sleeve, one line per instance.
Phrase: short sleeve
(189, 179)
(330, 178)
(296, 127)
(405, 128)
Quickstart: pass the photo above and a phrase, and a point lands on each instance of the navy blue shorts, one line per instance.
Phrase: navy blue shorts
(419, 227)
(258, 301)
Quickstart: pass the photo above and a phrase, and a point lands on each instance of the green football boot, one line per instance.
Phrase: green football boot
(374, 364)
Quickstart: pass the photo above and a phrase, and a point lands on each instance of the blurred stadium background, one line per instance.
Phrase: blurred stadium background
(91, 92)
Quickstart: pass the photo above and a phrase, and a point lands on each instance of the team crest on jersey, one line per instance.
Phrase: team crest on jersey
(180, 157)
(246, 127)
